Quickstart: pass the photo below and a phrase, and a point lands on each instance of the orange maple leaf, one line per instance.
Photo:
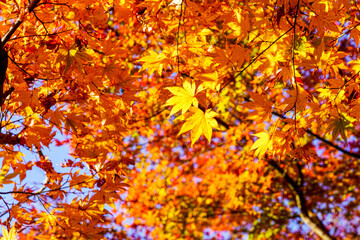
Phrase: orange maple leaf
(261, 104)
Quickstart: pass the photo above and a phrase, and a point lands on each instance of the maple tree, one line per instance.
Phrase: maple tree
(236, 118)
(66, 78)
(259, 134)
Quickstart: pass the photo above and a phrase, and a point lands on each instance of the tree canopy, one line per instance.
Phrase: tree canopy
(184, 119)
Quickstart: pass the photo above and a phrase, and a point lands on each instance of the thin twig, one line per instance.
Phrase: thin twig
(18, 22)
(254, 59)
(293, 62)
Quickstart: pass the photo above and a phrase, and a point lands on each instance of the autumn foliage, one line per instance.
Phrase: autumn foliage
(183, 119)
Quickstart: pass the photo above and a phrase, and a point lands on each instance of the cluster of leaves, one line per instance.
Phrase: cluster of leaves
(269, 92)
(241, 119)
(67, 78)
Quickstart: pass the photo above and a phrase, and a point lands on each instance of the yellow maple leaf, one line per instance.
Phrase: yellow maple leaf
(355, 65)
(9, 235)
(200, 123)
(262, 144)
(154, 62)
(184, 97)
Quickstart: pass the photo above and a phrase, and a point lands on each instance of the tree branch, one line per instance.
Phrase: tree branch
(9, 139)
(307, 216)
(18, 22)
(352, 154)
(355, 155)
(3, 52)
(255, 58)
(3, 67)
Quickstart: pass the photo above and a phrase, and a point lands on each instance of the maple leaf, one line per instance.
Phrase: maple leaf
(7, 179)
(9, 235)
(73, 56)
(261, 104)
(262, 144)
(122, 12)
(338, 126)
(297, 98)
(76, 68)
(154, 62)
(184, 97)
(200, 123)
(355, 109)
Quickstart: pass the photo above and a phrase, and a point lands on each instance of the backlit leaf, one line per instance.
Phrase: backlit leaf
(184, 98)
(262, 144)
(9, 235)
(200, 123)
